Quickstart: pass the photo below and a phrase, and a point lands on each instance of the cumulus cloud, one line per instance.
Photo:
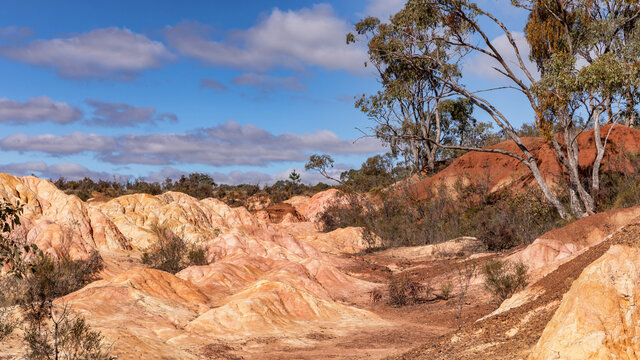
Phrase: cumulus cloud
(72, 143)
(289, 39)
(67, 170)
(242, 177)
(38, 109)
(15, 33)
(231, 144)
(121, 114)
(212, 84)
(270, 84)
(227, 144)
(483, 66)
(383, 9)
(102, 53)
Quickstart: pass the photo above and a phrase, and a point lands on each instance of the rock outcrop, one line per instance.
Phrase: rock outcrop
(58, 223)
(263, 279)
(599, 317)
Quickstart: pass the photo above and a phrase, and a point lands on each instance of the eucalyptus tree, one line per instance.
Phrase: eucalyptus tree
(586, 51)
(588, 56)
(413, 112)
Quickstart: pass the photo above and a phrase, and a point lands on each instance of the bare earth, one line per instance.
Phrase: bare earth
(278, 288)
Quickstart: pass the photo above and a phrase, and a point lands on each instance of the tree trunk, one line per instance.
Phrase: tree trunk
(630, 117)
(530, 162)
(600, 150)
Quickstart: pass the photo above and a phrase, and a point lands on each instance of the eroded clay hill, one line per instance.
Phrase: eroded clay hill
(499, 171)
(275, 287)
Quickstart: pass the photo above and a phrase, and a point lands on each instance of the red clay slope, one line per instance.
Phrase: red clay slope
(503, 171)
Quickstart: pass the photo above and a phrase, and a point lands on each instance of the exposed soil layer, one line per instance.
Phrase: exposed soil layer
(277, 212)
(499, 171)
(495, 337)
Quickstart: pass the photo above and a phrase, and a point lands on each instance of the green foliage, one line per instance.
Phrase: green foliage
(33, 286)
(51, 332)
(620, 189)
(13, 252)
(376, 174)
(49, 279)
(503, 279)
(501, 219)
(68, 337)
(446, 289)
(7, 322)
(197, 185)
(171, 253)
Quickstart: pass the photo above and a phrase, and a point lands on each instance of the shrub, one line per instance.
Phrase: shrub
(64, 336)
(7, 322)
(376, 295)
(501, 220)
(403, 291)
(503, 278)
(171, 253)
(51, 332)
(49, 279)
(446, 289)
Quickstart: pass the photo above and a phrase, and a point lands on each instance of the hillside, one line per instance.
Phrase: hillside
(276, 287)
(500, 171)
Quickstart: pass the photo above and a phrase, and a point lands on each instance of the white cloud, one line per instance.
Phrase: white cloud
(38, 109)
(121, 114)
(242, 177)
(74, 142)
(67, 170)
(102, 53)
(483, 66)
(270, 84)
(289, 39)
(212, 84)
(15, 34)
(383, 9)
(232, 144)
(227, 144)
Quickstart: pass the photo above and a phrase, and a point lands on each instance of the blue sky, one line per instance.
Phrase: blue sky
(245, 91)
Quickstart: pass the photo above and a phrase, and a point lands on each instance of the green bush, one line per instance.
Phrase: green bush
(171, 253)
(503, 278)
(403, 291)
(501, 220)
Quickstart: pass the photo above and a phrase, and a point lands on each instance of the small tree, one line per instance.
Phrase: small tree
(589, 69)
(12, 252)
(171, 253)
(503, 279)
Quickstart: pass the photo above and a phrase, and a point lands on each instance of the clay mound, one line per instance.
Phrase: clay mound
(280, 212)
(264, 243)
(598, 318)
(271, 307)
(222, 279)
(463, 246)
(154, 313)
(313, 207)
(196, 221)
(500, 171)
(349, 240)
(59, 223)
(140, 310)
(595, 315)
(560, 245)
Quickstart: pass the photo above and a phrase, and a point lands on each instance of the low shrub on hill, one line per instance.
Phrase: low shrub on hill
(171, 253)
(197, 185)
(50, 331)
(503, 278)
(501, 220)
